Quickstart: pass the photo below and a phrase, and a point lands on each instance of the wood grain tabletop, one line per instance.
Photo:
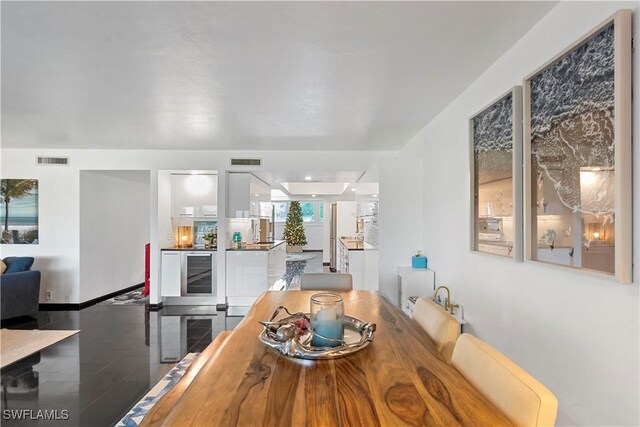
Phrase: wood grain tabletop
(399, 379)
(158, 412)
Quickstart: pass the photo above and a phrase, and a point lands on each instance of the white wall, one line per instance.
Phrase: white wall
(326, 233)
(58, 254)
(114, 228)
(400, 224)
(576, 332)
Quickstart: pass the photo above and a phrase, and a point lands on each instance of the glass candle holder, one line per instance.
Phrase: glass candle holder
(237, 239)
(327, 319)
(185, 236)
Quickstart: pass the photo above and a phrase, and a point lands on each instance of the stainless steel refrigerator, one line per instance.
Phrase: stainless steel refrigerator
(333, 248)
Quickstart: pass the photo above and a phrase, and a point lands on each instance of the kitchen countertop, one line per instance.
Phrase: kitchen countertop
(495, 243)
(214, 248)
(258, 246)
(352, 245)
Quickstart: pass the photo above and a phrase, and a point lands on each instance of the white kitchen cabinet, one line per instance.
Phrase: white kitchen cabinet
(276, 261)
(371, 276)
(252, 272)
(194, 196)
(363, 267)
(170, 273)
(246, 196)
(170, 339)
(356, 268)
(246, 276)
(362, 264)
(178, 267)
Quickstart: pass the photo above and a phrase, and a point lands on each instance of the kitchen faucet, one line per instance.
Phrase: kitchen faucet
(447, 302)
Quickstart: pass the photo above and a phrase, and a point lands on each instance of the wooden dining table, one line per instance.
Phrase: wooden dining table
(399, 379)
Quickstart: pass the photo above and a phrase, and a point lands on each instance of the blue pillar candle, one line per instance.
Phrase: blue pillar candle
(327, 319)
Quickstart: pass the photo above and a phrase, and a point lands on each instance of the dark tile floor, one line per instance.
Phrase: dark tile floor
(121, 352)
(306, 262)
(100, 373)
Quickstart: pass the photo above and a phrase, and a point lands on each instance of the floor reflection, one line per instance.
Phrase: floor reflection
(121, 352)
(20, 381)
(98, 374)
(306, 262)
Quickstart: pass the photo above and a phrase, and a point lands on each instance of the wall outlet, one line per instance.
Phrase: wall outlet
(170, 237)
(48, 295)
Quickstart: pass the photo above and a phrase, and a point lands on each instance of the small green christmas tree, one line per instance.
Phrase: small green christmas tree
(294, 227)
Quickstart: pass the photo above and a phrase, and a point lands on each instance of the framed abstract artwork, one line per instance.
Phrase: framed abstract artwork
(496, 176)
(577, 151)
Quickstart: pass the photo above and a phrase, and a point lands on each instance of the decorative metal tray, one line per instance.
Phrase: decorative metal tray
(292, 336)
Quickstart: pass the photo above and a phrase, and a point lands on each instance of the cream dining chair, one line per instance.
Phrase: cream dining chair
(326, 281)
(519, 396)
(438, 324)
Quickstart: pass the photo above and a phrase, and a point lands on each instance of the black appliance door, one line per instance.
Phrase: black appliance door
(200, 273)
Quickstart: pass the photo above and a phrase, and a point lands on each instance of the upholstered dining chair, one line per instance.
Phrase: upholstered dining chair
(438, 324)
(326, 281)
(519, 396)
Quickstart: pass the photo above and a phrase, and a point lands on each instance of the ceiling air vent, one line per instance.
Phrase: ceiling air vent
(246, 162)
(53, 160)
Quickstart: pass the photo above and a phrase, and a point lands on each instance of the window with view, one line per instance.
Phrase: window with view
(308, 211)
(281, 209)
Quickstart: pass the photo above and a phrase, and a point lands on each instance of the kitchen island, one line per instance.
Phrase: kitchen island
(359, 259)
(253, 269)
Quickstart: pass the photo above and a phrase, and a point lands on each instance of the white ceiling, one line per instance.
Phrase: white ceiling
(319, 183)
(243, 75)
(317, 188)
(274, 178)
